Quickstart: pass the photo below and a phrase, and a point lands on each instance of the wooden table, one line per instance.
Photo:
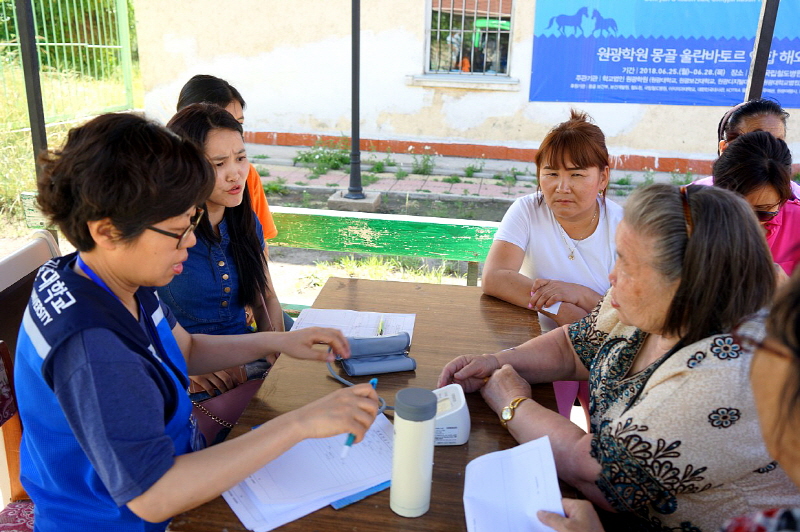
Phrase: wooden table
(451, 321)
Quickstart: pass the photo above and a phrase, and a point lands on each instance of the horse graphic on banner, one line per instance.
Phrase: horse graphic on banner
(603, 24)
(573, 21)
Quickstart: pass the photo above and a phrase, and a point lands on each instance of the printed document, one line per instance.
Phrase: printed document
(357, 324)
(311, 475)
(505, 489)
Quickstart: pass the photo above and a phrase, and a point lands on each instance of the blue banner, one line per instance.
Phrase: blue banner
(673, 52)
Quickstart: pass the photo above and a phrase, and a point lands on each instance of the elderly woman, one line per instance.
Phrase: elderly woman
(101, 364)
(555, 248)
(775, 380)
(674, 436)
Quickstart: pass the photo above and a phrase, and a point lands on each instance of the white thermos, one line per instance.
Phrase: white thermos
(412, 462)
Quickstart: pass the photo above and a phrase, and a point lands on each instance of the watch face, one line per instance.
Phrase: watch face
(506, 413)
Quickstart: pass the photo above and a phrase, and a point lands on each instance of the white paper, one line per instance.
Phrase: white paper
(553, 309)
(504, 490)
(356, 324)
(311, 475)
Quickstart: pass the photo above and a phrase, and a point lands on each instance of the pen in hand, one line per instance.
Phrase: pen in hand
(352, 437)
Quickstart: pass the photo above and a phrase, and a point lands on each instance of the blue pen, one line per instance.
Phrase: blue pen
(352, 437)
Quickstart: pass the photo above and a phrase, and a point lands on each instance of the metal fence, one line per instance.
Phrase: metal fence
(84, 54)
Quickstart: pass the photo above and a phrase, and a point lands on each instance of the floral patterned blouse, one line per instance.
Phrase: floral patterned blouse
(679, 442)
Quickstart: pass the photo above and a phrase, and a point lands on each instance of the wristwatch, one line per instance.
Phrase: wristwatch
(507, 413)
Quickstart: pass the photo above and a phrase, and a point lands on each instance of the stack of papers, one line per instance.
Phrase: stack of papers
(505, 489)
(357, 324)
(311, 475)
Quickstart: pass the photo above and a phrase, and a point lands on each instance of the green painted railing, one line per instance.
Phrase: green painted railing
(386, 234)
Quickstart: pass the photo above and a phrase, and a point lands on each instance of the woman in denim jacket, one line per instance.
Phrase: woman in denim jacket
(227, 269)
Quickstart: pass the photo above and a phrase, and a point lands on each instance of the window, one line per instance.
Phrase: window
(469, 37)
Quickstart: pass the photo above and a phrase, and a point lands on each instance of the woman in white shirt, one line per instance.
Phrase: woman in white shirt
(555, 248)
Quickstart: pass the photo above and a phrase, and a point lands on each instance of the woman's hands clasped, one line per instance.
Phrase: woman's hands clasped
(548, 292)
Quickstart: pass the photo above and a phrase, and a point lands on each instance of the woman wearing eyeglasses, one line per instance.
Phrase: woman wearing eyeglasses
(758, 166)
(674, 441)
(101, 364)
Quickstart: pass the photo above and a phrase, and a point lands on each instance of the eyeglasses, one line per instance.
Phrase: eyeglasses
(766, 216)
(687, 211)
(193, 221)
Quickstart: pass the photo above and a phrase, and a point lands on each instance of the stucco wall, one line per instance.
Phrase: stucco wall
(291, 61)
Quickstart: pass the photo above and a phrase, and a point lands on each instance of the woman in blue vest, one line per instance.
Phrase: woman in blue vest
(101, 364)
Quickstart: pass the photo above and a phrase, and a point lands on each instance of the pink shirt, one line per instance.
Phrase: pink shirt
(783, 231)
(783, 236)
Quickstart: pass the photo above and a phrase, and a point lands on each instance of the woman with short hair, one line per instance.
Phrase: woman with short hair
(101, 364)
(674, 439)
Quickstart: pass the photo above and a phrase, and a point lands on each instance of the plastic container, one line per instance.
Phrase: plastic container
(412, 461)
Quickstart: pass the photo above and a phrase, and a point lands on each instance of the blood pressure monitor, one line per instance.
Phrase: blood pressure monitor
(452, 416)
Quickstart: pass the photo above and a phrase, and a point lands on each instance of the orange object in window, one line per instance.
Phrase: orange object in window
(465, 66)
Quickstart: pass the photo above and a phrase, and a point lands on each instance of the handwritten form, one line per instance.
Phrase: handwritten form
(505, 489)
(311, 475)
(356, 324)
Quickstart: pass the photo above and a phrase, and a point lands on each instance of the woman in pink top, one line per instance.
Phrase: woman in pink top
(759, 166)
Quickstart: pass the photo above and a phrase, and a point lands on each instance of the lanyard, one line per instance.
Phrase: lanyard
(93, 276)
(155, 339)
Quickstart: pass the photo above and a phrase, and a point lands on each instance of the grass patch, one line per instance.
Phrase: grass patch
(452, 179)
(326, 155)
(332, 185)
(676, 178)
(276, 186)
(474, 168)
(369, 179)
(423, 164)
(261, 156)
(17, 169)
(384, 267)
(262, 171)
(401, 174)
(625, 181)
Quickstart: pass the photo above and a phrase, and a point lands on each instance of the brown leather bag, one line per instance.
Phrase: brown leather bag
(216, 416)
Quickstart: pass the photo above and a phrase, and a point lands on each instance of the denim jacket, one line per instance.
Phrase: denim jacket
(205, 297)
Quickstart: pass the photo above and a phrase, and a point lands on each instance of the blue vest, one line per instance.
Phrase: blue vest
(66, 490)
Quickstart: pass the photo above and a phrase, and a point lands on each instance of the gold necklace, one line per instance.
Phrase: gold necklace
(564, 235)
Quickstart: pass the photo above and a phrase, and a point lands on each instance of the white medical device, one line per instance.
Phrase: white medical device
(452, 416)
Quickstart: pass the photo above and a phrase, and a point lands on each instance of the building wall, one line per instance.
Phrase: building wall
(291, 62)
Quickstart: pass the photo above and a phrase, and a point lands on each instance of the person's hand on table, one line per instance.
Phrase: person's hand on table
(581, 517)
(219, 380)
(504, 386)
(351, 409)
(547, 292)
(469, 371)
(314, 343)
